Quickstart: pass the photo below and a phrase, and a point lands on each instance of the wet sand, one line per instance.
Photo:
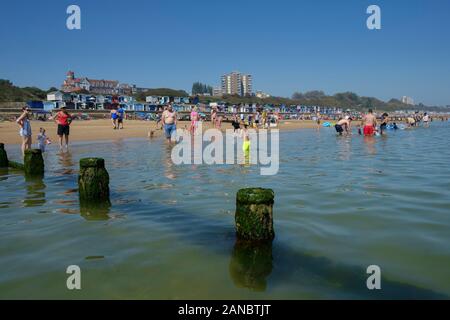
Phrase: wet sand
(91, 130)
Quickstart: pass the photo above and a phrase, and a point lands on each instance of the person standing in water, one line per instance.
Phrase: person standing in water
(343, 125)
(42, 140)
(318, 120)
(384, 122)
(25, 129)
(426, 119)
(169, 122)
(63, 119)
(369, 123)
(246, 137)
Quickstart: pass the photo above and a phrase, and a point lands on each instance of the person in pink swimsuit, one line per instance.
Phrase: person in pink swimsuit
(194, 120)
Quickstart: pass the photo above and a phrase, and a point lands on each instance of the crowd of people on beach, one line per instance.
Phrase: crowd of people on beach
(166, 120)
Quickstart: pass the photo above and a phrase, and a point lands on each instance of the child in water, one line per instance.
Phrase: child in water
(246, 137)
(42, 139)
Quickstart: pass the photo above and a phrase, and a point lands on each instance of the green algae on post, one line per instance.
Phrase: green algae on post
(33, 163)
(254, 214)
(93, 181)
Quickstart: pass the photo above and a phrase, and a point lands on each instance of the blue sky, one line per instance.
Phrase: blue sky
(287, 45)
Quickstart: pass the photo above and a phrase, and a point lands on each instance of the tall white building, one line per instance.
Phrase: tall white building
(237, 83)
(407, 100)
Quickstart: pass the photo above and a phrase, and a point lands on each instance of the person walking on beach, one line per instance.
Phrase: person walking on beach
(194, 120)
(114, 117)
(264, 118)
(369, 123)
(121, 115)
(169, 121)
(63, 119)
(159, 117)
(25, 128)
(235, 124)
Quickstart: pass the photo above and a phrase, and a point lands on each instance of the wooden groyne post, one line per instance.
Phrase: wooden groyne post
(93, 182)
(254, 214)
(4, 163)
(33, 163)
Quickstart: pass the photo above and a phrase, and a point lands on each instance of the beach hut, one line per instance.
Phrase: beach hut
(55, 96)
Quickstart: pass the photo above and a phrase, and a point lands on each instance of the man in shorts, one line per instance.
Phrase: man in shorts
(169, 122)
(368, 123)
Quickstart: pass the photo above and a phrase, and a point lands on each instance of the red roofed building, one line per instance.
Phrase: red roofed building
(72, 84)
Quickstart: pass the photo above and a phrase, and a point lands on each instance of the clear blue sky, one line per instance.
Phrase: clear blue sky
(286, 45)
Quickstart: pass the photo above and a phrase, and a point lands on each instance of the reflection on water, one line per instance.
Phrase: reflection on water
(369, 142)
(35, 195)
(169, 166)
(98, 212)
(251, 264)
(66, 163)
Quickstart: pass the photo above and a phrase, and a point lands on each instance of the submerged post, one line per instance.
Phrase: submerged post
(254, 214)
(33, 163)
(3, 156)
(93, 181)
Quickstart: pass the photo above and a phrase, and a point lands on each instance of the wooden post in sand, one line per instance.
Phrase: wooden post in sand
(93, 182)
(254, 214)
(3, 157)
(33, 163)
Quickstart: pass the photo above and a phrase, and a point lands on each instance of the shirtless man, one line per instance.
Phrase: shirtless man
(368, 123)
(169, 122)
(343, 125)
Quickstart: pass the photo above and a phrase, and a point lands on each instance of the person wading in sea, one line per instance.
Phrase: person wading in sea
(25, 128)
(384, 122)
(169, 121)
(369, 123)
(344, 125)
(63, 119)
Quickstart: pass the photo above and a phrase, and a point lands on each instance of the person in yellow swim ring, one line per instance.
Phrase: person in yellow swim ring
(246, 137)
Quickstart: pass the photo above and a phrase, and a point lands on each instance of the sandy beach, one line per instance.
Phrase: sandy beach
(102, 129)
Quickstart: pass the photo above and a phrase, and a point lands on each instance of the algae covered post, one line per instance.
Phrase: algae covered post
(3, 157)
(33, 163)
(93, 181)
(254, 214)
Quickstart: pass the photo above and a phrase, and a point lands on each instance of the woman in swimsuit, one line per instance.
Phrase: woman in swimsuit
(25, 128)
(194, 120)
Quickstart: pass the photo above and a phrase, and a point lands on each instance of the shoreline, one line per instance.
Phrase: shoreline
(101, 130)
